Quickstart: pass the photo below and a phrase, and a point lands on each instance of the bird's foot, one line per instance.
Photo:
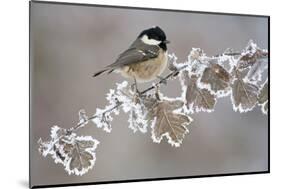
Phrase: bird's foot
(135, 89)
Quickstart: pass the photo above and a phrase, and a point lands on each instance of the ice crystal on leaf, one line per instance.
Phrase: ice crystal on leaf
(244, 94)
(80, 154)
(131, 102)
(103, 119)
(196, 99)
(83, 118)
(217, 78)
(203, 81)
(123, 97)
(166, 122)
(197, 61)
(137, 119)
(255, 59)
(75, 153)
(263, 97)
(172, 62)
(251, 54)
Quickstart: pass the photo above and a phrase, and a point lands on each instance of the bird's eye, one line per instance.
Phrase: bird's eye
(156, 37)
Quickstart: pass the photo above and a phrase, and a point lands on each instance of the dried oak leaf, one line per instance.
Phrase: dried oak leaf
(216, 77)
(197, 99)
(166, 122)
(244, 94)
(263, 98)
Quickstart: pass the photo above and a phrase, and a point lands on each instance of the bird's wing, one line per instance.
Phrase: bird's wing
(135, 54)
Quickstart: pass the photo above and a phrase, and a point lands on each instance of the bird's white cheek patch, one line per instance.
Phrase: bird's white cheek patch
(149, 41)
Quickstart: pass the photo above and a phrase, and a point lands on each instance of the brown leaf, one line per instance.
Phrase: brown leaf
(244, 94)
(263, 98)
(79, 153)
(197, 99)
(148, 100)
(265, 107)
(75, 153)
(217, 77)
(256, 70)
(80, 159)
(263, 94)
(251, 55)
(165, 122)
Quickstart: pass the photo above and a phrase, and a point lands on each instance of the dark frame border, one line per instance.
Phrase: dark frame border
(147, 179)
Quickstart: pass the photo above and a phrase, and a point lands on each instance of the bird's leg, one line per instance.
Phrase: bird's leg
(157, 92)
(162, 79)
(135, 87)
(137, 90)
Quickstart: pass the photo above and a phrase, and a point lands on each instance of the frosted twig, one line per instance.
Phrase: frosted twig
(82, 124)
(203, 80)
(161, 81)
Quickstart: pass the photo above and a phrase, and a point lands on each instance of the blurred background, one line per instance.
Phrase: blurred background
(69, 43)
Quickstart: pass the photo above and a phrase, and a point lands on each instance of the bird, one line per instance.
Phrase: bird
(144, 60)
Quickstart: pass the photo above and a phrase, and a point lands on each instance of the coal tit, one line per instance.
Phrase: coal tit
(145, 59)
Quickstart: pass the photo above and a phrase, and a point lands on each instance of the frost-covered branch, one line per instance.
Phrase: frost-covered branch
(85, 121)
(203, 81)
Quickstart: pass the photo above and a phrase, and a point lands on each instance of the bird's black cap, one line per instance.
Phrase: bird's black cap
(154, 33)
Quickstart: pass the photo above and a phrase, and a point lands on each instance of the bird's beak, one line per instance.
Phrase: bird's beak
(166, 41)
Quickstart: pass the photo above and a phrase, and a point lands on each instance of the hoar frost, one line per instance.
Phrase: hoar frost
(124, 96)
(75, 153)
(203, 81)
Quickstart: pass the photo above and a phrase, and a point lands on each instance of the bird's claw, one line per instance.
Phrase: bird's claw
(135, 89)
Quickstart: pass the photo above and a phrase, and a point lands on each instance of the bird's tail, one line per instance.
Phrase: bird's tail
(102, 71)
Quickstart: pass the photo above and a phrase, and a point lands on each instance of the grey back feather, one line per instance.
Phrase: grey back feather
(137, 52)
